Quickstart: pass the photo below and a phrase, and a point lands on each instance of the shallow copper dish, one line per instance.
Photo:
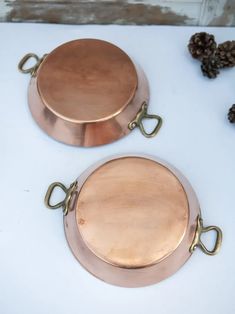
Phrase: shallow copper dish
(132, 220)
(88, 92)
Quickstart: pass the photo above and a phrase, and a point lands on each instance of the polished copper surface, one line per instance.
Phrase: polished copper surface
(86, 92)
(132, 220)
(87, 80)
(132, 212)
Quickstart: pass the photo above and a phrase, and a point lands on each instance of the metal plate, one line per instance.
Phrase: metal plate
(132, 220)
(132, 212)
(87, 80)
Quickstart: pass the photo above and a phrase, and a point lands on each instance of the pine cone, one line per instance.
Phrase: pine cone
(202, 45)
(226, 53)
(231, 114)
(210, 67)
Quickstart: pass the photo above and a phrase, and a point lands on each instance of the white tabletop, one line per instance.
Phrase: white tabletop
(38, 273)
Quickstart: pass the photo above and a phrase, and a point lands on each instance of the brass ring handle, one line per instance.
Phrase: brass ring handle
(65, 202)
(49, 193)
(197, 242)
(24, 60)
(218, 241)
(155, 130)
(138, 121)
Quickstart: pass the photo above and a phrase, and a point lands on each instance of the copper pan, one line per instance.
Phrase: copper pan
(88, 92)
(132, 220)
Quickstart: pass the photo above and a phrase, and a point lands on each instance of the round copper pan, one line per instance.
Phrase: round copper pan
(132, 220)
(88, 92)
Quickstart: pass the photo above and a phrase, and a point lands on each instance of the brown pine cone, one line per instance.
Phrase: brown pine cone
(226, 53)
(210, 67)
(202, 45)
(231, 114)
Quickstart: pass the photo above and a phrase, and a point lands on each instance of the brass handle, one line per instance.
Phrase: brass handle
(197, 242)
(218, 241)
(24, 60)
(33, 69)
(65, 202)
(138, 121)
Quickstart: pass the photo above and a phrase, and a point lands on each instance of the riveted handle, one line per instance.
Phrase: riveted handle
(198, 242)
(65, 202)
(138, 121)
(33, 69)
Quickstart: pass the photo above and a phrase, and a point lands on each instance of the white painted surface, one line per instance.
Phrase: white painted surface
(192, 12)
(38, 273)
(4, 9)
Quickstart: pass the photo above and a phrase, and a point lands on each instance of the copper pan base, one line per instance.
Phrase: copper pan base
(132, 220)
(86, 92)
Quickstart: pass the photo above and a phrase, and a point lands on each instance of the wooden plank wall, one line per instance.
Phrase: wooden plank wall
(170, 12)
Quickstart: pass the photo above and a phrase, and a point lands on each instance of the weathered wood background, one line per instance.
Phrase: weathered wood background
(172, 12)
